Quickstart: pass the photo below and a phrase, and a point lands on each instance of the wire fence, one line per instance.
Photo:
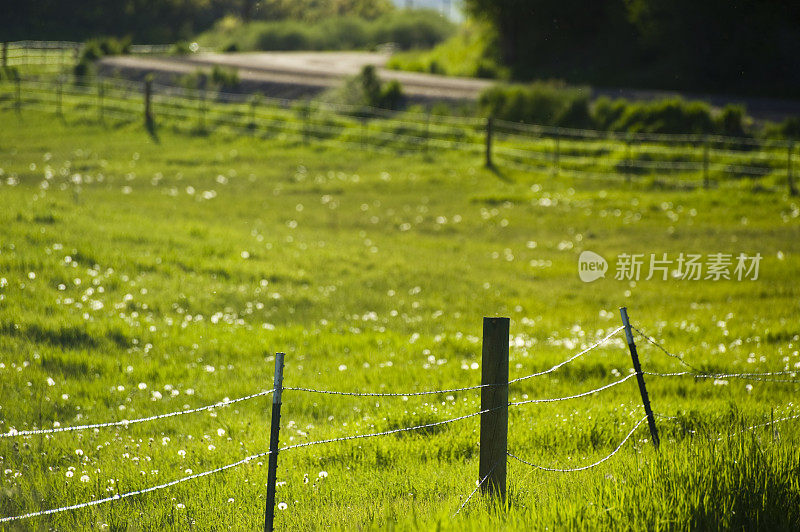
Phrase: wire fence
(686, 161)
(419, 427)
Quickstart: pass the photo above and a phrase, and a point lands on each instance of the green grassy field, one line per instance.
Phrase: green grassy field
(141, 277)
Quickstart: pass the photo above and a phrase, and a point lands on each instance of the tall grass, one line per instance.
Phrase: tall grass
(137, 277)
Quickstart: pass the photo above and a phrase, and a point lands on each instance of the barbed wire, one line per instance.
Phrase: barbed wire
(567, 361)
(576, 396)
(462, 389)
(698, 374)
(772, 422)
(133, 493)
(659, 346)
(746, 376)
(463, 504)
(126, 422)
(583, 468)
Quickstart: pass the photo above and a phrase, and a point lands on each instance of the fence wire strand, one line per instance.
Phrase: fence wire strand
(567, 361)
(659, 346)
(463, 504)
(583, 468)
(576, 396)
(126, 422)
(698, 374)
(466, 388)
(132, 493)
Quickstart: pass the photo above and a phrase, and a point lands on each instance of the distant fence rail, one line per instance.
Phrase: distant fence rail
(487, 415)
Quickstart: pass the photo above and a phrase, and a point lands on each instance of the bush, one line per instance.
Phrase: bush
(471, 52)
(220, 78)
(408, 29)
(225, 78)
(672, 115)
(412, 29)
(94, 49)
(731, 121)
(788, 129)
(546, 103)
(367, 90)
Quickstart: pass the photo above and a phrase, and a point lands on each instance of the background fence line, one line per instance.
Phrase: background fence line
(690, 160)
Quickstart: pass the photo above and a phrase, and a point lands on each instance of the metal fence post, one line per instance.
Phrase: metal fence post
(651, 422)
(494, 398)
(274, 430)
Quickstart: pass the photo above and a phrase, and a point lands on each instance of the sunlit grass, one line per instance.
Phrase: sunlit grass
(140, 277)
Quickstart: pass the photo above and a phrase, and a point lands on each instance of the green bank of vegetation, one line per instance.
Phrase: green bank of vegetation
(404, 29)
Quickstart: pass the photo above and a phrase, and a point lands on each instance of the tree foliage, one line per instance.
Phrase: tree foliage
(154, 21)
(729, 45)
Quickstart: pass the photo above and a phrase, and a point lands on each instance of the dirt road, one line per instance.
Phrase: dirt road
(298, 74)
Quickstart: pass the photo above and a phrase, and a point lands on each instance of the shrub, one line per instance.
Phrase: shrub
(788, 129)
(367, 90)
(408, 29)
(672, 115)
(220, 78)
(731, 121)
(94, 49)
(225, 78)
(546, 103)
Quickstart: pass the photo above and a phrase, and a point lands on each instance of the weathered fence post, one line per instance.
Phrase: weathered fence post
(100, 96)
(494, 405)
(651, 421)
(789, 176)
(148, 110)
(427, 129)
(306, 110)
(489, 134)
(59, 96)
(628, 160)
(18, 93)
(706, 181)
(274, 430)
(557, 154)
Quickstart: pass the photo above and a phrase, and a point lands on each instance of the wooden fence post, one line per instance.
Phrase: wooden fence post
(274, 430)
(18, 93)
(494, 398)
(100, 105)
(789, 176)
(60, 96)
(628, 160)
(557, 154)
(489, 134)
(148, 110)
(651, 421)
(427, 129)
